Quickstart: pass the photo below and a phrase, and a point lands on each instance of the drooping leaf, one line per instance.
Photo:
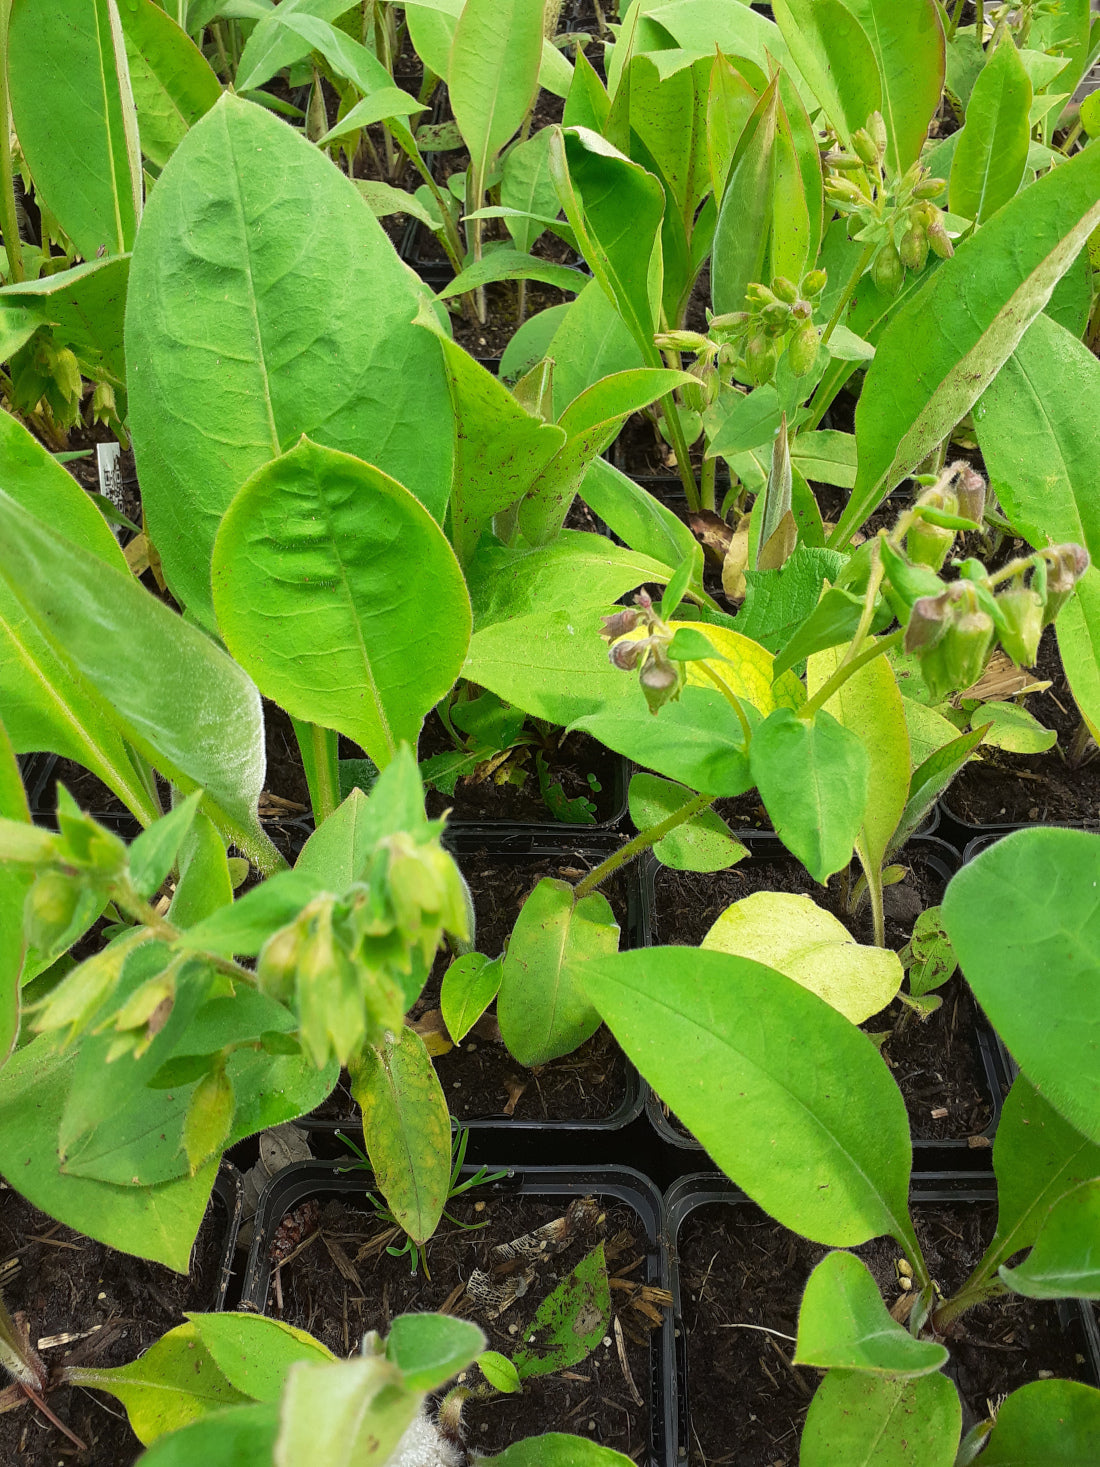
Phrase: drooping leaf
(407, 1130)
(1064, 1262)
(703, 843)
(253, 320)
(253, 1352)
(173, 83)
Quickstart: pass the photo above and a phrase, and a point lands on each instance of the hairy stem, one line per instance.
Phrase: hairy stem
(640, 844)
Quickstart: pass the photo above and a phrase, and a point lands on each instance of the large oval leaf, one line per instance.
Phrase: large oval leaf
(791, 1100)
(1025, 925)
(338, 591)
(864, 1420)
(908, 44)
(1048, 1423)
(266, 302)
(992, 149)
(843, 1324)
(948, 341)
(174, 85)
(795, 936)
(1065, 1261)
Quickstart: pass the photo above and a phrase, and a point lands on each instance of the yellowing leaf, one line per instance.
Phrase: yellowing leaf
(796, 937)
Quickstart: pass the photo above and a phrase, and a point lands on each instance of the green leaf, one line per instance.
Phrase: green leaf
(832, 623)
(242, 928)
(541, 1007)
(796, 937)
(844, 1325)
(948, 341)
(71, 104)
(312, 600)
(908, 45)
(493, 75)
(1035, 971)
(469, 986)
(505, 264)
(429, 1349)
(868, 1420)
(991, 154)
(497, 1369)
(1038, 1157)
(635, 516)
(250, 322)
(526, 184)
(350, 1413)
(1013, 728)
(254, 1353)
(778, 602)
(739, 421)
(172, 81)
(1063, 1264)
(275, 43)
(703, 843)
(869, 706)
(931, 777)
(813, 776)
(1047, 1423)
(835, 57)
(205, 883)
(1042, 466)
(174, 1382)
(745, 216)
(166, 688)
(557, 1450)
(224, 1439)
(154, 852)
(826, 456)
(153, 1222)
(615, 208)
(85, 306)
(407, 1130)
(816, 1132)
(569, 1323)
(14, 886)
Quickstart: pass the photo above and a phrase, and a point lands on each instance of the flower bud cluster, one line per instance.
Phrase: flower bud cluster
(953, 627)
(639, 641)
(894, 214)
(345, 963)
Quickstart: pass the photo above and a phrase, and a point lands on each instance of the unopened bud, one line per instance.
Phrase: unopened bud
(1020, 624)
(914, 248)
(681, 340)
(864, 144)
(104, 404)
(887, 272)
(939, 241)
(760, 360)
(844, 191)
(931, 188)
(802, 311)
(776, 318)
(785, 289)
(626, 655)
(802, 350)
(50, 908)
(760, 295)
(970, 491)
(65, 371)
(1066, 564)
(877, 128)
(927, 622)
(845, 162)
(618, 625)
(966, 647)
(928, 544)
(661, 681)
(814, 283)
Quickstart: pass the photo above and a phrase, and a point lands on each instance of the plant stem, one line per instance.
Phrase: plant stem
(730, 697)
(449, 237)
(9, 221)
(847, 293)
(955, 20)
(640, 844)
(965, 1299)
(680, 448)
(847, 669)
(706, 484)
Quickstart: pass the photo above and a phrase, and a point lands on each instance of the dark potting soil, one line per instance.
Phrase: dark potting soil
(343, 1283)
(996, 787)
(479, 1077)
(577, 763)
(748, 1403)
(66, 1283)
(937, 1063)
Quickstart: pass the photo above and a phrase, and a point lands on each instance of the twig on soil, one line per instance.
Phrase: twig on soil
(764, 1329)
(37, 1401)
(620, 1346)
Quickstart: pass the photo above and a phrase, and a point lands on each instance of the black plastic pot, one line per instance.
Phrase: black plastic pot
(529, 1138)
(929, 1155)
(702, 1189)
(228, 1195)
(36, 770)
(324, 1182)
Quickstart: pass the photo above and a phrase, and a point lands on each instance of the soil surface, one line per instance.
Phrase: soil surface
(747, 1402)
(937, 1063)
(579, 765)
(65, 1283)
(479, 1077)
(344, 1283)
